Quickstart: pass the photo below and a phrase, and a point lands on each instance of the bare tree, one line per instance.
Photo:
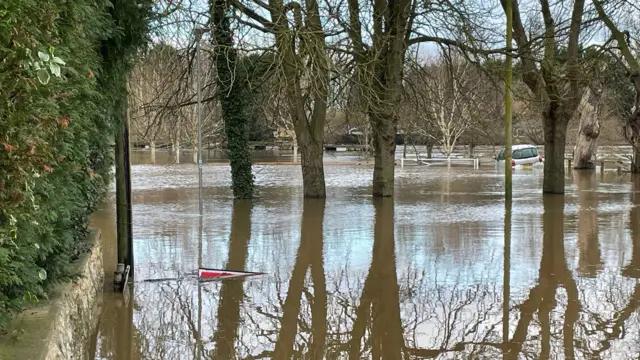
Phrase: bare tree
(152, 84)
(380, 33)
(556, 83)
(631, 128)
(302, 64)
(447, 97)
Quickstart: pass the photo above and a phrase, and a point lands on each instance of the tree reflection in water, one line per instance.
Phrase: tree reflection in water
(392, 309)
(231, 291)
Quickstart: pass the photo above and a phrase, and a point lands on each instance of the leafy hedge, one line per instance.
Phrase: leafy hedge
(62, 70)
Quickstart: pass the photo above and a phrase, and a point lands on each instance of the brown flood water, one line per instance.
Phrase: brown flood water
(423, 276)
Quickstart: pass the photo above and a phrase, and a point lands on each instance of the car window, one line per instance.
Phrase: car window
(501, 155)
(524, 153)
(534, 151)
(517, 154)
(528, 153)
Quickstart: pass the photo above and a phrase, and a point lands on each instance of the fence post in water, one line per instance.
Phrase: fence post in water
(123, 197)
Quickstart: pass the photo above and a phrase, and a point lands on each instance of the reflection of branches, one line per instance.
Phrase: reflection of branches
(288, 341)
(380, 295)
(448, 98)
(310, 246)
(231, 292)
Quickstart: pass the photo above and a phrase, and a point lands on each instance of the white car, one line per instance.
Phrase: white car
(521, 156)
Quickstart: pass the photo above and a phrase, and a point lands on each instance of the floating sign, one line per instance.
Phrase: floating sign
(221, 274)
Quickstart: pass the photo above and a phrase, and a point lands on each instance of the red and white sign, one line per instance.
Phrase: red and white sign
(221, 274)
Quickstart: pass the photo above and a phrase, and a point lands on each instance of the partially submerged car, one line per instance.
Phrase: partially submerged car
(521, 156)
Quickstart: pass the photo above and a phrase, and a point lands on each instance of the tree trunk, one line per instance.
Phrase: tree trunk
(195, 153)
(555, 135)
(306, 70)
(429, 151)
(177, 152)
(471, 148)
(635, 162)
(366, 140)
(312, 166)
(588, 131)
(152, 148)
(384, 151)
(234, 100)
(295, 149)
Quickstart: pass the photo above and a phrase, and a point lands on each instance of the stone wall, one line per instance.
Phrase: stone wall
(61, 328)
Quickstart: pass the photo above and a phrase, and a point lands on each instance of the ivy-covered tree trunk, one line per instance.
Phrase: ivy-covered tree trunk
(234, 97)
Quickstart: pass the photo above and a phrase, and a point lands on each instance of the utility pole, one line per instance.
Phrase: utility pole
(508, 195)
(508, 80)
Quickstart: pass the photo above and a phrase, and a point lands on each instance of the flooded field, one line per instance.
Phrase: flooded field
(428, 275)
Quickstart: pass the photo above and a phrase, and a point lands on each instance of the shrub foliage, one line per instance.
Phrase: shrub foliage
(63, 65)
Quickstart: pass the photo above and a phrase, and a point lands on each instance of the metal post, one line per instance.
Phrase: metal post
(198, 33)
(507, 105)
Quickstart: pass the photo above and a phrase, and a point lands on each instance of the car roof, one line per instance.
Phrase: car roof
(518, 147)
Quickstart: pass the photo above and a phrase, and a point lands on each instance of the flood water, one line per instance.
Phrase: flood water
(430, 274)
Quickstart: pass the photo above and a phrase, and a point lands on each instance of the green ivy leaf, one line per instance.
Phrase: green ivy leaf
(43, 56)
(43, 76)
(55, 69)
(57, 60)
